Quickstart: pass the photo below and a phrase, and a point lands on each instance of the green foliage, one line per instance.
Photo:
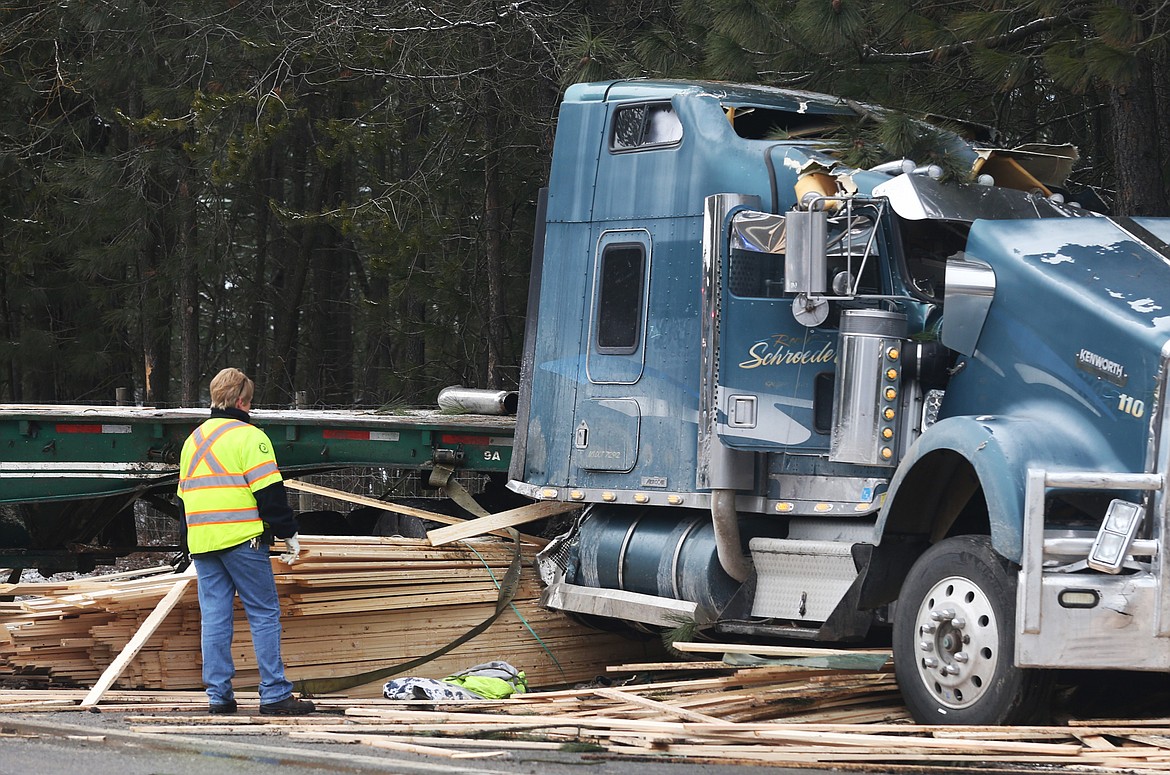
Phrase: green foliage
(593, 55)
(829, 26)
(683, 631)
(983, 24)
(1117, 27)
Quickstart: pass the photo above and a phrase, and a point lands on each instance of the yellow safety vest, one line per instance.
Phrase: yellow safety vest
(222, 464)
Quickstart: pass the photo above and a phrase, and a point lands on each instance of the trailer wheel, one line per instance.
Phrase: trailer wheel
(954, 639)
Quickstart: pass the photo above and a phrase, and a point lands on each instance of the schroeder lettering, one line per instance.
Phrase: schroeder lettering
(783, 350)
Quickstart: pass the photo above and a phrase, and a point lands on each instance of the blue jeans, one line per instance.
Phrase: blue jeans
(245, 570)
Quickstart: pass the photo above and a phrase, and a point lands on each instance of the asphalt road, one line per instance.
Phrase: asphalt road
(81, 743)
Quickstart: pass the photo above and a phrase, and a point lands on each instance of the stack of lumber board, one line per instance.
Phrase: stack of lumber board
(350, 604)
(61, 631)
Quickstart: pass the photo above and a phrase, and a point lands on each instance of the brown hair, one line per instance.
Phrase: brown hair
(230, 386)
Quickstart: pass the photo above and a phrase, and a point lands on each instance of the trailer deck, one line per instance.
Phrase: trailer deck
(52, 453)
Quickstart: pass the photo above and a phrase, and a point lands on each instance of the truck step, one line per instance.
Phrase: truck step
(800, 580)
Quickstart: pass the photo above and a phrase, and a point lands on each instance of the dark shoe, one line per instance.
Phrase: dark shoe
(289, 706)
(223, 708)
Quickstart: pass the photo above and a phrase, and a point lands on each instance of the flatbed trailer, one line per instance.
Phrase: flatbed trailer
(74, 472)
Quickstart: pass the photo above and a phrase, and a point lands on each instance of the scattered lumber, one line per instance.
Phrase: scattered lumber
(355, 604)
(495, 522)
(770, 651)
(360, 500)
(349, 605)
(842, 719)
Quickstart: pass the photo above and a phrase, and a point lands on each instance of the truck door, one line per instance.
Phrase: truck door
(609, 418)
(777, 352)
(774, 388)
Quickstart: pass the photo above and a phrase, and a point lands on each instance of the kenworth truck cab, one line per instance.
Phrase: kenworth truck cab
(799, 400)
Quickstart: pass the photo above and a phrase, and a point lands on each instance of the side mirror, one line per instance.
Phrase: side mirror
(806, 263)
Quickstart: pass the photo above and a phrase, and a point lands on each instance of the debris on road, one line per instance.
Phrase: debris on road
(769, 715)
(356, 604)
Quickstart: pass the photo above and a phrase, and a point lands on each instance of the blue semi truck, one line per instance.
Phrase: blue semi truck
(794, 400)
(801, 400)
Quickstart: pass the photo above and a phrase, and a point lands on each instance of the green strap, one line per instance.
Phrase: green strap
(440, 476)
(444, 476)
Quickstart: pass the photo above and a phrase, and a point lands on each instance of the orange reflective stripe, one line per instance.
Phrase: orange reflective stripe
(212, 482)
(203, 446)
(258, 472)
(222, 516)
(218, 521)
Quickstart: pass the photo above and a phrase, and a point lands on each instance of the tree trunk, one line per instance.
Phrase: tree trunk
(9, 378)
(259, 311)
(190, 370)
(1137, 157)
(295, 260)
(493, 249)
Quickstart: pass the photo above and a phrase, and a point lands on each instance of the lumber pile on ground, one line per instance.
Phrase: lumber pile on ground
(350, 604)
(772, 715)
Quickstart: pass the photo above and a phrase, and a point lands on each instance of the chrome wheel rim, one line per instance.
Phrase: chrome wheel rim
(957, 637)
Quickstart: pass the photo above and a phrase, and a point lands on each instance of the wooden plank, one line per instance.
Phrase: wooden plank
(767, 651)
(1158, 741)
(377, 741)
(661, 707)
(164, 607)
(360, 500)
(495, 522)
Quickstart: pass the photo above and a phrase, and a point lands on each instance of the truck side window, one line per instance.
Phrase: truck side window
(619, 299)
(644, 126)
(755, 266)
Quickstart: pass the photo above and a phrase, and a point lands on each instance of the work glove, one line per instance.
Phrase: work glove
(292, 545)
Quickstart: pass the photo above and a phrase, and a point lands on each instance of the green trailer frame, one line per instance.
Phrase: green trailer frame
(70, 470)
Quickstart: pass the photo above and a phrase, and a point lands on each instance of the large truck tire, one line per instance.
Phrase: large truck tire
(954, 640)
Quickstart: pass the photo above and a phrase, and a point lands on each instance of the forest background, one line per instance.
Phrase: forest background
(338, 195)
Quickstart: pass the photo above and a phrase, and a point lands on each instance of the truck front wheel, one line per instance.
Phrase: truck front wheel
(954, 639)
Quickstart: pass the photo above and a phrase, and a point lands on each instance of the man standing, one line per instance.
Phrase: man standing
(230, 490)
